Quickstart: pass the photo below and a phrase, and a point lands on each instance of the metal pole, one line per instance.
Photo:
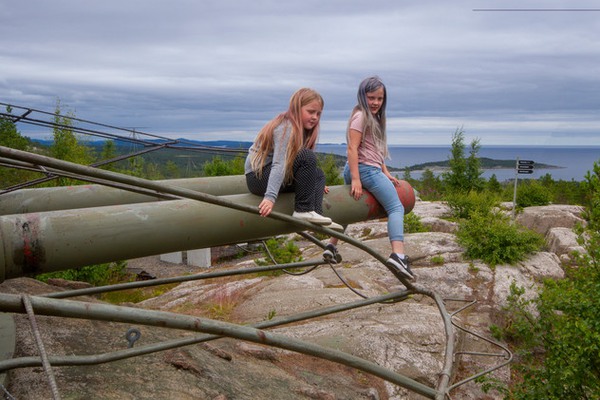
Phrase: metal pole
(31, 361)
(40, 344)
(104, 312)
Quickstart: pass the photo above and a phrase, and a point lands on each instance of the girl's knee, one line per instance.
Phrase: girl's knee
(396, 208)
(307, 156)
(320, 175)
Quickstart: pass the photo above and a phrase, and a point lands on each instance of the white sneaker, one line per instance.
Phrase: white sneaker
(335, 227)
(312, 216)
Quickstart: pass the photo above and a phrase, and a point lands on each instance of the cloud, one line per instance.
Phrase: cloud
(220, 69)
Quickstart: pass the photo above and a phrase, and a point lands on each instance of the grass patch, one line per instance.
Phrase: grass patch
(136, 295)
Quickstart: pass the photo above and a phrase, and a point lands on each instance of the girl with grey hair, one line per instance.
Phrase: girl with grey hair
(366, 169)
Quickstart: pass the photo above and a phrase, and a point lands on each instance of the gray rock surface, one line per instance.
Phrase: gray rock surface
(406, 337)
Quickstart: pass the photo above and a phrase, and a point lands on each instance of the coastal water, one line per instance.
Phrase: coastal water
(573, 162)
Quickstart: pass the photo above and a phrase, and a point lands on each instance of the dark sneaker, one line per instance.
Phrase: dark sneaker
(331, 255)
(400, 266)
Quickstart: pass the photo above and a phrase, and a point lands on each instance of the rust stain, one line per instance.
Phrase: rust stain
(31, 255)
(262, 337)
(375, 209)
(162, 324)
(406, 194)
(197, 324)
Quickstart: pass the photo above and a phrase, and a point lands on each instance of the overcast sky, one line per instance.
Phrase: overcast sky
(221, 69)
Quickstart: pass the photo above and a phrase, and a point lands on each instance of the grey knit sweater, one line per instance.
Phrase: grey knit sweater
(281, 138)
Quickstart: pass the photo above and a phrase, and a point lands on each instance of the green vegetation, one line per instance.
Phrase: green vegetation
(430, 187)
(439, 260)
(271, 314)
(219, 167)
(465, 173)
(494, 239)
(67, 145)
(463, 206)
(331, 169)
(488, 234)
(97, 275)
(412, 224)
(11, 137)
(533, 193)
(558, 347)
(280, 251)
(221, 305)
(136, 295)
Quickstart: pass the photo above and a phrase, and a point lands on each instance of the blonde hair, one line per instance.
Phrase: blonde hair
(292, 118)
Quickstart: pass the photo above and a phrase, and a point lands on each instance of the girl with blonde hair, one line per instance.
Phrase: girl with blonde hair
(282, 159)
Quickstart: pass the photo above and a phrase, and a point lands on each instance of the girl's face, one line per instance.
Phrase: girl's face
(375, 100)
(311, 114)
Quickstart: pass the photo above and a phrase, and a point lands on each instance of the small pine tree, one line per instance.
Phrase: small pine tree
(67, 146)
(331, 171)
(493, 185)
(109, 152)
(465, 173)
(430, 186)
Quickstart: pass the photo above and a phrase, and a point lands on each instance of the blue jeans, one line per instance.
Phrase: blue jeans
(374, 180)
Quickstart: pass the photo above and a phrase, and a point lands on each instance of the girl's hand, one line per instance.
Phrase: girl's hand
(395, 181)
(356, 190)
(326, 189)
(265, 207)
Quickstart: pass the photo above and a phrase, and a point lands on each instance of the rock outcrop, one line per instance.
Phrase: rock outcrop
(406, 337)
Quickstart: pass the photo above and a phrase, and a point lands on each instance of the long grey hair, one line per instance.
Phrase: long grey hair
(374, 124)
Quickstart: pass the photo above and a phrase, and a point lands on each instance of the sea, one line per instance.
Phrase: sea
(571, 162)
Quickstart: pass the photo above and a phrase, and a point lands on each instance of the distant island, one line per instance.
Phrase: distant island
(486, 163)
(440, 166)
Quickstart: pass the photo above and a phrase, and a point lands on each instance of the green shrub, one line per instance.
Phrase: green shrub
(97, 275)
(532, 193)
(412, 224)
(439, 260)
(281, 251)
(495, 240)
(136, 295)
(464, 205)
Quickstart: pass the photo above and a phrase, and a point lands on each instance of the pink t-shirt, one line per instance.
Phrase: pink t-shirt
(368, 153)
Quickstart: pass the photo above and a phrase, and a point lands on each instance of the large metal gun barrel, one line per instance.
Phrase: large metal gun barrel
(83, 196)
(39, 242)
(34, 243)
